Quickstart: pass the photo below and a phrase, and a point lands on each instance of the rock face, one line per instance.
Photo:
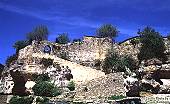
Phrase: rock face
(19, 80)
(131, 86)
(107, 86)
(6, 84)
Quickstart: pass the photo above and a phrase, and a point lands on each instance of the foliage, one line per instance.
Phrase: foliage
(21, 100)
(76, 40)
(168, 36)
(135, 41)
(107, 30)
(152, 45)
(45, 88)
(129, 62)
(11, 59)
(71, 86)
(20, 45)
(114, 97)
(114, 62)
(63, 38)
(42, 100)
(64, 55)
(1, 67)
(97, 62)
(40, 78)
(46, 62)
(40, 33)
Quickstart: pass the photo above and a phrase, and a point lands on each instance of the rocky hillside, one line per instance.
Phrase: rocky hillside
(80, 73)
(106, 86)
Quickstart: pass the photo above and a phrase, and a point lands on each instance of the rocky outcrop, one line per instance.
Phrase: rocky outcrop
(131, 85)
(102, 87)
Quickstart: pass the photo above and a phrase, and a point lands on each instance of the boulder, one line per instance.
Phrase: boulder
(150, 85)
(164, 89)
(131, 86)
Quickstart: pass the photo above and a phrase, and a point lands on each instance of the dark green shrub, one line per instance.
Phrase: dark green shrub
(107, 30)
(97, 63)
(152, 45)
(46, 62)
(135, 41)
(129, 63)
(114, 97)
(45, 88)
(168, 36)
(114, 62)
(71, 86)
(63, 38)
(76, 40)
(111, 62)
(20, 45)
(39, 33)
(21, 100)
(64, 55)
(11, 59)
(41, 77)
(42, 100)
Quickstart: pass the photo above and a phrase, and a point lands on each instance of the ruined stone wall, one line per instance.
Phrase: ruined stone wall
(90, 50)
(87, 51)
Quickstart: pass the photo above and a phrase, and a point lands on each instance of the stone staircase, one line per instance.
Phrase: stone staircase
(81, 74)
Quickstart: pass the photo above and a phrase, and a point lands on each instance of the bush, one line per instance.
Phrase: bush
(11, 59)
(107, 30)
(71, 86)
(46, 62)
(64, 55)
(40, 78)
(45, 88)
(129, 62)
(114, 62)
(152, 45)
(97, 63)
(42, 100)
(21, 100)
(40, 33)
(114, 97)
(135, 41)
(63, 38)
(20, 45)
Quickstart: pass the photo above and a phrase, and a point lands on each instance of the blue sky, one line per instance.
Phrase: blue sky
(78, 18)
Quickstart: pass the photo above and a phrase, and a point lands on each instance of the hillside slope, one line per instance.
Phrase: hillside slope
(80, 73)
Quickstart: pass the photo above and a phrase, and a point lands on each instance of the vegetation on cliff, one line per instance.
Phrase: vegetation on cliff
(153, 45)
(107, 30)
(40, 33)
(11, 59)
(115, 63)
(62, 38)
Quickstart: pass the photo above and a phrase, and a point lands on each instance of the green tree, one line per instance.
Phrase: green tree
(20, 45)
(40, 33)
(63, 38)
(71, 86)
(114, 62)
(21, 100)
(46, 62)
(45, 88)
(107, 30)
(39, 78)
(11, 59)
(152, 45)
